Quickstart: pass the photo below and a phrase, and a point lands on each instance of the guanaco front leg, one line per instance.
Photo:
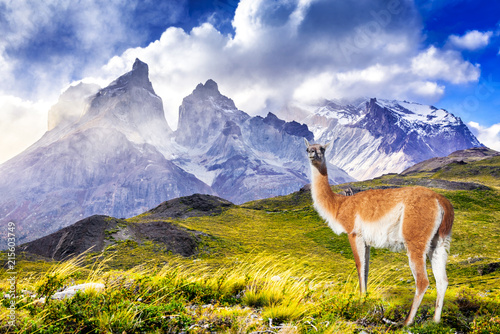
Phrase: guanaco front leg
(367, 265)
(361, 253)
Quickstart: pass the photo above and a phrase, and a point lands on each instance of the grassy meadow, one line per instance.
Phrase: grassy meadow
(271, 266)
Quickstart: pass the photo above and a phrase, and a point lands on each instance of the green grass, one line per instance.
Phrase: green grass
(485, 171)
(256, 293)
(272, 265)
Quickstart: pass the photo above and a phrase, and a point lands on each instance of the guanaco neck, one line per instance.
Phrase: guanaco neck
(324, 198)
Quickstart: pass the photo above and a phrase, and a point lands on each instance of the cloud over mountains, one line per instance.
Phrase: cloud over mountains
(274, 51)
(303, 50)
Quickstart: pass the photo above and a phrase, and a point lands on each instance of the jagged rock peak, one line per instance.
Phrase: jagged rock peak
(292, 128)
(273, 120)
(138, 77)
(203, 113)
(131, 104)
(209, 88)
(140, 66)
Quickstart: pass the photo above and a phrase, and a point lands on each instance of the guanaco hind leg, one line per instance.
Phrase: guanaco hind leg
(418, 269)
(438, 257)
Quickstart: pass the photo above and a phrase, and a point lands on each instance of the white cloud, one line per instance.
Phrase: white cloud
(444, 65)
(472, 40)
(304, 49)
(49, 43)
(22, 123)
(489, 136)
(427, 88)
(388, 81)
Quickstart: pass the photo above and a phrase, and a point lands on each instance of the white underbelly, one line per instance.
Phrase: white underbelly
(384, 233)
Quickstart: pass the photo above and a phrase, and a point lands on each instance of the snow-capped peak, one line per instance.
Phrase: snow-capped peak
(376, 136)
(416, 112)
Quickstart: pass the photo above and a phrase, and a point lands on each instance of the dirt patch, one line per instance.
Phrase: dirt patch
(488, 268)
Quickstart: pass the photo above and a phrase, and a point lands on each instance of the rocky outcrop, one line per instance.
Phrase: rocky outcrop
(461, 156)
(86, 234)
(196, 205)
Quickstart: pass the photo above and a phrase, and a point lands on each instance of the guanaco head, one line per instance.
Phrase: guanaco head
(316, 154)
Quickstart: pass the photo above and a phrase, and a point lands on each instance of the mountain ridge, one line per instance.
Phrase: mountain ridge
(120, 157)
(461, 157)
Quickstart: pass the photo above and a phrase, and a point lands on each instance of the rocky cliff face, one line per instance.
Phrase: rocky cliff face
(241, 157)
(111, 161)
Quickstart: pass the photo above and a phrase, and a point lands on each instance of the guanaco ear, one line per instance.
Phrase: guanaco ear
(327, 145)
(307, 143)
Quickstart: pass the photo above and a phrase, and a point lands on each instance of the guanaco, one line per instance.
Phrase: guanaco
(413, 218)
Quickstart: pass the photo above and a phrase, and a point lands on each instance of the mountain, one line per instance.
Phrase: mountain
(372, 137)
(110, 161)
(71, 105)
(242, 158)
(111, 152)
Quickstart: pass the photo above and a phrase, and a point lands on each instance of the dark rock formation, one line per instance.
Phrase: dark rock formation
(196, 205)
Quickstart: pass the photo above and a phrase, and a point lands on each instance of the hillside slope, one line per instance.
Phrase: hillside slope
(282, 223)
(273, 264)
(461, 157)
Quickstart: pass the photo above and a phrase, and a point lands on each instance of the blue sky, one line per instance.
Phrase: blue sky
(263, 54)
